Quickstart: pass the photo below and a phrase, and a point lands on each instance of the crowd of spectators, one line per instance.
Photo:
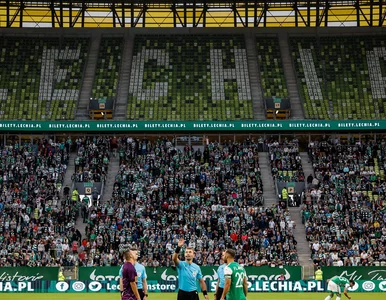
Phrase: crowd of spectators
(36, 227)
(211, 196)
(345, 205)
(286, 163)
(92, 160)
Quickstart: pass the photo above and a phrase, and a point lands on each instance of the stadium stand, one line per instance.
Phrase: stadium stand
(344, 210)
(36, 228)
(286, 163)
(341, 77)
(211, 197)
(189, 78)
(40, 78)
(271, 68)
(92, 161)
(107, 70)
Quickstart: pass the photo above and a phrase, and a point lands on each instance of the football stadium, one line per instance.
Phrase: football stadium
(175, 149)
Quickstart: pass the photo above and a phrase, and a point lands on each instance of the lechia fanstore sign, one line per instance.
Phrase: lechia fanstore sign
(191, 126)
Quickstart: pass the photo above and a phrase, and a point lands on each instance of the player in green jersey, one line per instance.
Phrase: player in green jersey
(335, 284)
(236, 285)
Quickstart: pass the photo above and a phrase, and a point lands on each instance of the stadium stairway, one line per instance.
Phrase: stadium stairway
(270, 197)
(124, 79)
(306, 164)
(110, 180)
(68, 182)
(269, 192)
(70, 170)
(254, 78)
(303, 248)
(290, 76)
(88, 79)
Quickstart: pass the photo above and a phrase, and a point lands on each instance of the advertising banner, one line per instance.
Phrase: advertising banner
(209, 273)
(30, 274)
(273, 286)
(191, 126)
(355, 273)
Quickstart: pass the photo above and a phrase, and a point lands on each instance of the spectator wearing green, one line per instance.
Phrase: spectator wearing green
(106, 163)
(86, 200)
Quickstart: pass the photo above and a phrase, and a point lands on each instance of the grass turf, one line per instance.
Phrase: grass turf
(173, 296)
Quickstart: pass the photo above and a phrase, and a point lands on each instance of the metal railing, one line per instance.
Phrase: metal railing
(71, 272)
(308, 272)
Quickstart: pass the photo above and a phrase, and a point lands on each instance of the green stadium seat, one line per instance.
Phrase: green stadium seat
(271, 68)
(189, 78)
(341, 77)
(40, 79)
(107, 70)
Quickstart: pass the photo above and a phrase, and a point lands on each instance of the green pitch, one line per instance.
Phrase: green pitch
(173, 296)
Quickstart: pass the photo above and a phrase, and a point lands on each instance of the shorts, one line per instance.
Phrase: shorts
(141, 294)
(182, 295)
(333, 287)
(126, 296)
(219, 293)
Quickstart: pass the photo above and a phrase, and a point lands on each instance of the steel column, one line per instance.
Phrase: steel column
(123, 16)
(70, 15)
(21, 13)
(144, 10)
(52, 8)
(265, 9)
(83, 13)
(194, 14)
(246, 13)
(114, 14)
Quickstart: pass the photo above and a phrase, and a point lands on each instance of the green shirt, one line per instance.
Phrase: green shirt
(341, 281)
(237, 274)
(85, 200)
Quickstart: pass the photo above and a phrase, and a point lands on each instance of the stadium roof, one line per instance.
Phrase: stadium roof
(192, 13)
